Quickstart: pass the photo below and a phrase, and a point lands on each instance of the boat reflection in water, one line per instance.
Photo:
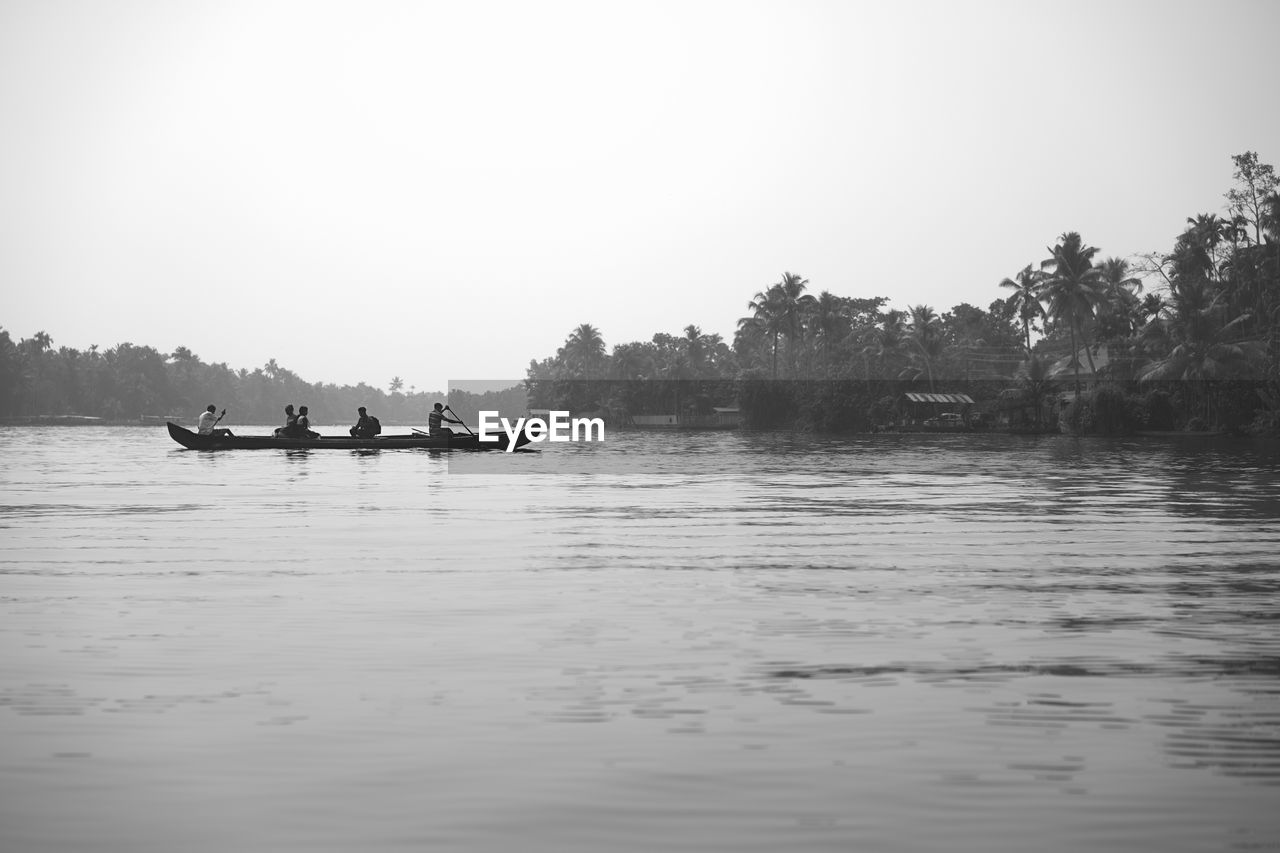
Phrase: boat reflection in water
(413, 441)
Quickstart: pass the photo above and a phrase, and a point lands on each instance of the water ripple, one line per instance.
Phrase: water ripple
(706, 642)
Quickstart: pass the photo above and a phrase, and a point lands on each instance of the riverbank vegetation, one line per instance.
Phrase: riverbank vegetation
(128, 383)
(1188, 338)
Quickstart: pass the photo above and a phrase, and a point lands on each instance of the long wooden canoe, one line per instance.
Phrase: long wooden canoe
(463, 441)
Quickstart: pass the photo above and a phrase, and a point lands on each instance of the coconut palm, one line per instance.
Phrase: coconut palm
(1152, 305)
(791, 290)
(779, 313)
(1118, 273)
(924, 333)
(1025, 299)
(766, 320)
(1072, 287)
(1033, 375)
(1119, 307)
(695, 350)
(794, 304)
(1202, 339)
(1196, 250)
(830, 321)
(583, 353)
(1270, 224)
(888, 341)
(38, 344)
(676, 369)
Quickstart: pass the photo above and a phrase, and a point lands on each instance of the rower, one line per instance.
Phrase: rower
(209, 422)
(434, 418)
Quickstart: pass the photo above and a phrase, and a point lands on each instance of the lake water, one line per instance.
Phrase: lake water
(730, 642)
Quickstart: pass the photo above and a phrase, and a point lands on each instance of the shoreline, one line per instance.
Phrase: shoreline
(89, 421)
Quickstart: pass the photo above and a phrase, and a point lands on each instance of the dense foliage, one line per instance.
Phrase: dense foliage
(1185, 338)
(127, 382)
(1205, 335)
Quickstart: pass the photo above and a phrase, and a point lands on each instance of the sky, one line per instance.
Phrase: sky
(443, 191)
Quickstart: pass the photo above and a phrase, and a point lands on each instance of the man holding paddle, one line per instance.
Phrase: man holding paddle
(208, 423)
(435, 418)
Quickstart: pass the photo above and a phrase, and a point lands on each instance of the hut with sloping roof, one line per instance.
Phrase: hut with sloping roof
(931, 410)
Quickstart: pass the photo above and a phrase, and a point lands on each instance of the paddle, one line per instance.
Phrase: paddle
(220, 417)
(455, 414)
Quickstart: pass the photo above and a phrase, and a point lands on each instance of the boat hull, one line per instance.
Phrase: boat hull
(415, 441)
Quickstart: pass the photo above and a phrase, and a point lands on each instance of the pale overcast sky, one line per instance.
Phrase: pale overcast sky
(444, 190)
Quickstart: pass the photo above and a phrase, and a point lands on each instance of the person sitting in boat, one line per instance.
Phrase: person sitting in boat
(290, 428)
(367, 426)
(435, 418)
(209, 422)
(303, 425)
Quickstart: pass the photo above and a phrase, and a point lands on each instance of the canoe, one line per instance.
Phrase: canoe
(413, 441)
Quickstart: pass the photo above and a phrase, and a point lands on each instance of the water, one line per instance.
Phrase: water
(717, 642)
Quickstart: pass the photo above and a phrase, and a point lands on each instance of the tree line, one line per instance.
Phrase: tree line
(1189, 335)
(127, 382)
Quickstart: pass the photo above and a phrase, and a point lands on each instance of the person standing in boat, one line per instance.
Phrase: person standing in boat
(367, 426)
(209, 422)
(302, 427)
(435, 418)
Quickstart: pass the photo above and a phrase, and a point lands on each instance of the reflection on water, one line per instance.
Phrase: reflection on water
(718, 641)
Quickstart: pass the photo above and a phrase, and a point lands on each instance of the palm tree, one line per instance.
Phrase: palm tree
(1210, 228)
(778, 313)
(39, 343)
(925, 334)
(1120, 288)
(1270, 224)
(676, 370)
(1197, 246)
(1034, 377)
(1118, 273)
(1152, 305)
(634, 366)
(792, 304)
(584, 351)
(831, 322)
(887, 341)
(694, 348)
(767, 318)
(1025, 299)
(1072, 287)
(1203, 340)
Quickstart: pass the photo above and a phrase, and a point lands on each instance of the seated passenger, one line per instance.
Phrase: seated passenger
(303, 426)
(367, 426)
(290, 428)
